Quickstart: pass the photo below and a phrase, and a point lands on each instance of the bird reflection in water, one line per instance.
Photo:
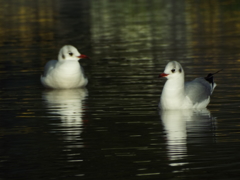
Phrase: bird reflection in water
(181, 125)
(67, 103)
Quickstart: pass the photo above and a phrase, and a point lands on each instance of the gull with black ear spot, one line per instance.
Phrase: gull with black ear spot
(178, 94)
(66, 72)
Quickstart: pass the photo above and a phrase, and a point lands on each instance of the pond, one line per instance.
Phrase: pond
(113, 129)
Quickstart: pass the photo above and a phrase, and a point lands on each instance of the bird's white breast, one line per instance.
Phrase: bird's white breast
(64, 75)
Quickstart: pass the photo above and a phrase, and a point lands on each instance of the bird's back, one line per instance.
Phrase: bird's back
(199, 91)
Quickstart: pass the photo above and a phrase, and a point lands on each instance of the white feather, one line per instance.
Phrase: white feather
(66, 72)
(177, 94)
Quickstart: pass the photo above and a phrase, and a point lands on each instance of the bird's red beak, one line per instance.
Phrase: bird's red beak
(82, 56)
(163, 75)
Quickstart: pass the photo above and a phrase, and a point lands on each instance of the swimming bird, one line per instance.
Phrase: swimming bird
(66, 72)
(178, 94)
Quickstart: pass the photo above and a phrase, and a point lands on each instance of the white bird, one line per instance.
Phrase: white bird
(66, 72)
(177, 94)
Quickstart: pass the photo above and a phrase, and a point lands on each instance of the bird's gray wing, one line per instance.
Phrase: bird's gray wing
(49, 66)
(198, 90)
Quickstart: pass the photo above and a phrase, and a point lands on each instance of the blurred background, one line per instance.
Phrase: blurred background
(113, 129)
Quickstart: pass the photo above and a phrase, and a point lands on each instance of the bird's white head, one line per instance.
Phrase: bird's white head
(173, 70)
(69, 52)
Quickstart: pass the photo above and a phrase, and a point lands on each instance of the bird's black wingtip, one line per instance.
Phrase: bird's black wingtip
(209, 77)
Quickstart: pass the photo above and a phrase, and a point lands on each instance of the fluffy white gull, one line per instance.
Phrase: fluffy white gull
(66, 72)
(178, 94)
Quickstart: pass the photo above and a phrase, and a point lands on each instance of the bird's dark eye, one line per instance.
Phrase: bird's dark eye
(173, 70)
(180, 70)
(70, 54)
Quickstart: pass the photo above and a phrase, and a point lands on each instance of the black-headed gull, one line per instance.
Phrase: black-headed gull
(66, 72)
(177, 94)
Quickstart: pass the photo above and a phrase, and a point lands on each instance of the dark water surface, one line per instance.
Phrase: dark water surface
(113, 129)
